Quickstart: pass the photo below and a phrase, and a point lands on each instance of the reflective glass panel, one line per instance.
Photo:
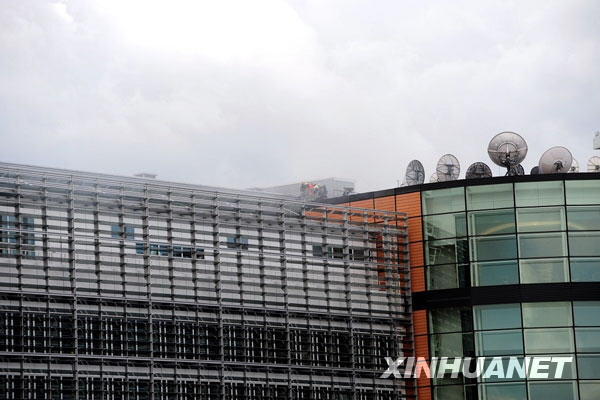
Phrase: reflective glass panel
(445, 226)
(553, 390)
(493, 248)
(587, 313)
(584, 244)
(496, 364)
(495, 343)
(446, 251)
(584, 218)
(497, 316)
(544, 270)
(443, 201)
(495, 273)
(542, 245)
(583, 192)
(450, 392)
(451, 344)
(589, 390)
(492, 222)
(490, 196)
(549, 340)
(585, 269)
(503, 391)
(450, 319)
(539, 194)
(541, 219)
(446, 276)
(588, 366)
(588, 340)
(569, 369)
(546, 314)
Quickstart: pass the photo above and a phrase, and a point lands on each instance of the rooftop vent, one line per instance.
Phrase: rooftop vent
(145, 175)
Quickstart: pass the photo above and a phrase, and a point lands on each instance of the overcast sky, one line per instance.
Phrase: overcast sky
(257, 93)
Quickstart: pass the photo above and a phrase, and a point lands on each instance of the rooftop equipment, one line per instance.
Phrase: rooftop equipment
(594, 164)
(574, 167)
(507, 149)
(478, 170)
(448, 168)
(516, 170)
(557, 159)
(415, 173)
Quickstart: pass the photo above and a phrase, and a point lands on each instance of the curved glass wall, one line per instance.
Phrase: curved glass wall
(549, 329)
(503, 234)
(510, 234)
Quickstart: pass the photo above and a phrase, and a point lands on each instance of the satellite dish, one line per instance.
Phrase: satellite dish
(507, 149)
(594, 164)
(448, 168)
(556, 160)
(535, 170)
(434, 178)
(415, 173)
(574, 167)
(478, 170)
(516, 170)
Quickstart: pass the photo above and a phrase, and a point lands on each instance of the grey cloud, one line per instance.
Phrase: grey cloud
(292, 90)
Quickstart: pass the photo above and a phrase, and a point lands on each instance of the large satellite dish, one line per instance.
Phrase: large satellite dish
(415, 173)
(535, 170)
(594, 164)
(507, 149)
(478, 170)
(516, 170)
(448, 168)
(574, 167)
(556, 160)
(433, 178)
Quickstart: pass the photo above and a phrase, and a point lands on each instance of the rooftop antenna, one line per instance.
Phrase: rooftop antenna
(574, 167)
(448, 168)
(507, 149)
(594, 164)
(478, 170)
(597, 141)
(535, 170)
(556, 160)
(433, 178)
(516, 170)
(415, 173)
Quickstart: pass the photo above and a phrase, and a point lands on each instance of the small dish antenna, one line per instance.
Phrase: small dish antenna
(594, 164)
(478, 170)
(516, 170)
(556, 160)
(433, 178)
(507, 149)
(535, 170)
(574, 167)
(415, 173)
(448, 168)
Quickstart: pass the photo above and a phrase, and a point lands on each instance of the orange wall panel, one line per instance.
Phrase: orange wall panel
(417, 279)
(385, 203)
(424, 392)
(420, 323)
(409, 203)
(362, 203)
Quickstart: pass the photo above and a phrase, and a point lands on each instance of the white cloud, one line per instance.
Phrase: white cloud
(241, 94)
